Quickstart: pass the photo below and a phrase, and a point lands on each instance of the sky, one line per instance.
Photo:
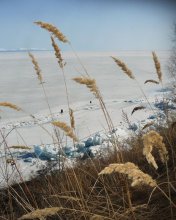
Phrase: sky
(90, 25)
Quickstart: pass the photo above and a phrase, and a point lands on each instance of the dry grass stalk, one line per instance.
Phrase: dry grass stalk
(20, 147)
(41, 213)
(137, 108)
(147, 125)
(134, 173)
(10, 105)
(151, 81)
(68, 131)
(54, 30)
(150, 140)
(57, 53)
(72, 119)
(36, 67)
(90, 83)
(66, 197)
(157, 66)
(97, 217)
(124, 67)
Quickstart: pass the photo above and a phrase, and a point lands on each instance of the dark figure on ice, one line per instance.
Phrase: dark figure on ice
(62, 111)
(90, 102)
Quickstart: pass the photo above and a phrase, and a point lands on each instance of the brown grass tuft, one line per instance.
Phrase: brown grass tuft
(36, 67)
(68, 131)
(150, 140)
(133, 172)
(54, 30)
(137, 108)
(72, 119)
(151, 81)
(41, 213)
(57, 53)
(90, 83)
(157, 66)
(10, 105)
(124, 67)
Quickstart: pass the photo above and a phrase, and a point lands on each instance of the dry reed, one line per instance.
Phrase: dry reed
(20, 147)
(72, 119)
(57, 53)
(41, 213)
(150, 140)
(148, 125)
(151, 81)
(132, 171)
(10, 105)
(36, 67)
(124, 67)
(157, 66)
(68, 130)
(137, 108)
(54, 30)
(90, 83)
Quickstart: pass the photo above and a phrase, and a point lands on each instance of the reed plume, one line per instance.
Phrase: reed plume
(36, 67)
(68, 130)
(132, 171)
(90, 83)
(151, 81)
(137, 108)
(41, 213)
(72, 119)
(10, 105)
(124, 67)
(57, 53)
(150, 140)
(54, 30)
(157, 66)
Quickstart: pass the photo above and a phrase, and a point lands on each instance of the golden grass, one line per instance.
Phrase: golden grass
(157, 66)
(89, 83)
(68, 130)
(72, 119)
(54, 30)
(41, 213)
(10, 105)
(57, 53)
(36, 67)
(132, 171)
(124, 67)
(150, 140)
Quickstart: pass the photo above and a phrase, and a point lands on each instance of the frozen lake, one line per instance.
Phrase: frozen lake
(19, 85)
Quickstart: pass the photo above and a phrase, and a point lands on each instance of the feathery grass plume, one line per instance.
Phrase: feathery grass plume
(20, 147)
(151, 81)
(72, 119)
(68, 131)
(90, 83)
(147, 125)
(150, 140)
(57, 53)
(54, 30)
(41, 213)
(36, 67)
(137, 108)
(124, 67)
(134, 173)
(10, 105)
(157, 66)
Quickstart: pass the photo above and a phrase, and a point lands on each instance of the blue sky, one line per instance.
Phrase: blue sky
(91, 25)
